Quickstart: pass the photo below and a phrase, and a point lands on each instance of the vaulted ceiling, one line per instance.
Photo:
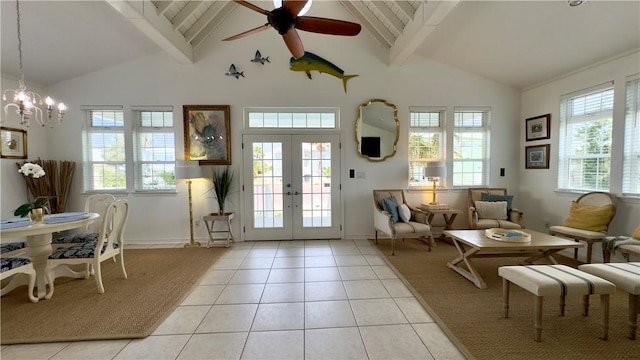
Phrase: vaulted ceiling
(517, 43)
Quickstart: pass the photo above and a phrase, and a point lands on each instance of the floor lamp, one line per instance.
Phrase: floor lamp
(189, 170)
(434, 171)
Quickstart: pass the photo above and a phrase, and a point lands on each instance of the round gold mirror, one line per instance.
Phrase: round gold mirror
(377, 130)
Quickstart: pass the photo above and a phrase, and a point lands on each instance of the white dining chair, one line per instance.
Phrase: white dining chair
(96, 203)
(110, 244)
(15, 267)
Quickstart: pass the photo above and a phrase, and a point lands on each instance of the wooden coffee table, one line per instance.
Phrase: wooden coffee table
(474, 244)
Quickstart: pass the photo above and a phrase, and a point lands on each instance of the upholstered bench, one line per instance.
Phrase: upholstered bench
(625, 276)
(556, 280)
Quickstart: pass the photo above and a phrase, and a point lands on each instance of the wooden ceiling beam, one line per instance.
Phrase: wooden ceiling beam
(158, 28)
(389, 15)
(214, 21)
(184, 14)
(162, 6)
(428, 17)
(366, 24)
(406, 8)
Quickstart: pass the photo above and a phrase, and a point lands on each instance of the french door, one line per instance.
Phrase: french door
(291, 187)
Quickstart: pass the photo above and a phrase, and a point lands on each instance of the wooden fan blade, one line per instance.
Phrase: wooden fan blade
(252, 7)
(248, 32)
(293, 7)
(327, 26)
(293, 42)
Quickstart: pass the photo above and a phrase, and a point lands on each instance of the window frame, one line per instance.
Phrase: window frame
(484, 129)
(439, 131)
(88, 150)
(138, 129)
(566, 141)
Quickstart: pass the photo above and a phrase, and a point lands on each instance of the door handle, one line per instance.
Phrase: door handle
(296, 193)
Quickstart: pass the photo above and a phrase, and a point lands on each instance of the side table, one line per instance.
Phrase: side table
(449, 216)
(210, 220)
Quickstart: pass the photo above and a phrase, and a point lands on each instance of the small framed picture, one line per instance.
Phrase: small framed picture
(14, 143)
(207, 134)
(538, 127)
(537, 157)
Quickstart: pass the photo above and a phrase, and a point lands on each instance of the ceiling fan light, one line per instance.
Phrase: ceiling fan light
(575, 2)
(305, 9)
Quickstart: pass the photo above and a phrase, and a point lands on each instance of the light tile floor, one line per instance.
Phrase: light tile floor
(313, 299)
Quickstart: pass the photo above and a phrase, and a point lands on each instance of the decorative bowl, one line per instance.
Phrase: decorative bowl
(507, 235)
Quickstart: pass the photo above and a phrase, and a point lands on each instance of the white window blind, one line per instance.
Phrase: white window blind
(470, 146)
(631, 160)
(155, 150)
(586, 119)
(104, 150)
(426, 142)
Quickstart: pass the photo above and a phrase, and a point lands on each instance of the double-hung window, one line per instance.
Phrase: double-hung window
(104, 150)
(426, 142)
(470, 146)
(119, 157)
(631, 160)
(586, 119)
(155, 150)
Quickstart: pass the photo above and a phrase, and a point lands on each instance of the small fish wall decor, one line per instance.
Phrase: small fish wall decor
(259, 59)
(312, 62)
(233, 72)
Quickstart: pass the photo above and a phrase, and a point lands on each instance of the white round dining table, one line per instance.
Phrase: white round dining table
(39, 237)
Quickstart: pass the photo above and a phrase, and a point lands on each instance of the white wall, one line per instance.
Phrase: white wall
(160, 80)
(541, 203)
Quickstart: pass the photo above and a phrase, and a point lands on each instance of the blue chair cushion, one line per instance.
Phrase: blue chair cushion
(80, 251)
(390, 205)
(76, 238)
(12, 263)
(12, 246)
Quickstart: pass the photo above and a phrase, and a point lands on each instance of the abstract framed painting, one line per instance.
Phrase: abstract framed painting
(207, 134)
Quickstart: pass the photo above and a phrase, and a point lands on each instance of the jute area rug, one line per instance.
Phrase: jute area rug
(474, 316)
(158, 281)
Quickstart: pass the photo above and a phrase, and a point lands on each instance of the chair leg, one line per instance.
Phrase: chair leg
(589, 251)
(575, 251)
(124, 272)
(393, 252)
(376, 237)
(585, 305)
(98, 276)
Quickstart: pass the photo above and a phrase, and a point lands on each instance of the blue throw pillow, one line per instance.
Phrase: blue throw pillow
(390, 205)
(494, 197)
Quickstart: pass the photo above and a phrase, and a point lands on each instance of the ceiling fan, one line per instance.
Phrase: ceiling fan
(285, 20)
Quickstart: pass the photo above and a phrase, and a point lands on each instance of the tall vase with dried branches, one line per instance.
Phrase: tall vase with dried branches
(55, 186)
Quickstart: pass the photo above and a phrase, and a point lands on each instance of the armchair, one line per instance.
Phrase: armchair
(480, 221)
(588, 221)
(415, 226)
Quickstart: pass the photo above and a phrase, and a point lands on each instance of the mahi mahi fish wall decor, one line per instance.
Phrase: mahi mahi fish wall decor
(312, 62)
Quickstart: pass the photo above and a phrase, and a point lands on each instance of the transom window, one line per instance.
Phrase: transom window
(307, 118)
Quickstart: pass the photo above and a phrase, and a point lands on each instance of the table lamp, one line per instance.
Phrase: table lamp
(188, 170)
(433, 171)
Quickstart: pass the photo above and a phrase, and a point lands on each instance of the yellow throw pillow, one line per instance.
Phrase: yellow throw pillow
(587, 217)
(636, 233)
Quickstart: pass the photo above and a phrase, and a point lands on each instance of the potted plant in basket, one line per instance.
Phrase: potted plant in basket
(222, 185)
